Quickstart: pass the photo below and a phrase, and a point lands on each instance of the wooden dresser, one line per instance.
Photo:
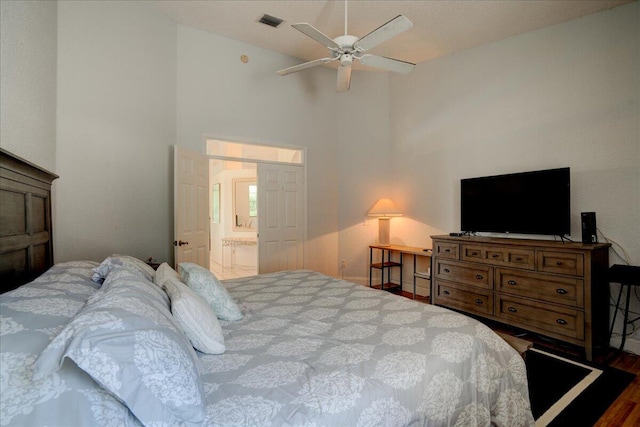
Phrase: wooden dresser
(26, 245)
(552, 288)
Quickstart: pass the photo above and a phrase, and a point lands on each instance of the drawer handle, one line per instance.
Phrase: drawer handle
(512, 309)
(446, 270)
(495, 256)
(561, 321)
(474, 253)
(479, 276)
(478, 301)
(512, 282)
(561, 291)
(559, 263)
(447, 250)
(446, 292)
(519, 258)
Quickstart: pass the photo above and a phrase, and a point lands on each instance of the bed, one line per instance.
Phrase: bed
(116, 343)
(309, 350)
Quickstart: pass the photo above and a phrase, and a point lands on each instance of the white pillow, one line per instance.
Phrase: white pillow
(204, 283)
(163, 273)
(141, 268)
(126, 339)
(198, 322)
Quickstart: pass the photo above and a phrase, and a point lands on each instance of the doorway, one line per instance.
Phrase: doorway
(251, 186)
(234, 218)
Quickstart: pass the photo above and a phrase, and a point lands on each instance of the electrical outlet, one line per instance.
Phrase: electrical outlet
(344, 263)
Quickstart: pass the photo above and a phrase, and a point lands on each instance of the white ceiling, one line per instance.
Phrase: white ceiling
(440, 27)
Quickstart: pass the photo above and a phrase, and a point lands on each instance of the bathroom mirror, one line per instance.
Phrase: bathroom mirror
(245, 204)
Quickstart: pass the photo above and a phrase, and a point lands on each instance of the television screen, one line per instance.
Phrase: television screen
(535, 202)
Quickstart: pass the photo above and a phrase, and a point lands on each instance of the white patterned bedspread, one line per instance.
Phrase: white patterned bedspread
(310, 351)
(317, 351)
(30, 317)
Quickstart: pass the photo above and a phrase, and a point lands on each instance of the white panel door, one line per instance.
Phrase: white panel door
(281, 219)
(191, 207)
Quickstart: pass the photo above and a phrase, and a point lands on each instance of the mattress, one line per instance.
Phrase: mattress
(310, 350)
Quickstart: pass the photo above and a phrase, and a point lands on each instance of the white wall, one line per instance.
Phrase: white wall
(131, 83)
(28, 80)
(116, 124)
(567, 95)
(365, 161)
(219, 96)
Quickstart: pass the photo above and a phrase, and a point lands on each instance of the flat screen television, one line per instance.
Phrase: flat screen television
(535, 202)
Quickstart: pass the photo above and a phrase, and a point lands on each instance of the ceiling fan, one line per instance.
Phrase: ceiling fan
(347, 48)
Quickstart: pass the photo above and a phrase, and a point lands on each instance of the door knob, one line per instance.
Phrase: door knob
(179, 243)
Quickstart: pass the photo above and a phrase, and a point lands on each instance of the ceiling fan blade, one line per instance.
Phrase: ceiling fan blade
(381, 34)
(317, 35)
(344, 78)
(304, 66)
(389, 64)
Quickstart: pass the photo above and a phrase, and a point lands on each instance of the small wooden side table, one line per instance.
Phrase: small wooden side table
(389, 264)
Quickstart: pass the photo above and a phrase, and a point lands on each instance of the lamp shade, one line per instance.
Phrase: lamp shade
(383, 208)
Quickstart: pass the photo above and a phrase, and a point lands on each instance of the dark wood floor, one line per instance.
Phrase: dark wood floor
(625, 411)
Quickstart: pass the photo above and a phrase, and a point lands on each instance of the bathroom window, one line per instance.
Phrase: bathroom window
(253, 200)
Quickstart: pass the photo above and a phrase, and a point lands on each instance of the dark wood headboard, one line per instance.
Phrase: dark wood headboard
(26, 242)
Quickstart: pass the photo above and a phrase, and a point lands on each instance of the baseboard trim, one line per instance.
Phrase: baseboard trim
(423, 291)
(632, 345)
(357, 279)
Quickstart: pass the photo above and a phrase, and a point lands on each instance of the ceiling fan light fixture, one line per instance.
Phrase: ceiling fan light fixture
(347, 47)
(346, 59)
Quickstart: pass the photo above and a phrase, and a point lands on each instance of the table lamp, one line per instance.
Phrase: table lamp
(384, 209)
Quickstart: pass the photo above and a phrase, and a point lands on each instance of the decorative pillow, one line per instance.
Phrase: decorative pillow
(163, 273)
(140, 267)
(126, 339)
(205, 284)
(199, 323)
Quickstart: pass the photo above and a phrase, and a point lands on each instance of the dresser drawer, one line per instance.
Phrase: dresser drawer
(520, 258)
(468, 298)
(560, 262)
(470, 274)
(555, 321)
(475, 253)
(447, 250)
(544, 287)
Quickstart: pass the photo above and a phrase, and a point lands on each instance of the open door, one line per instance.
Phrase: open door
(281, 219)
(191, 207)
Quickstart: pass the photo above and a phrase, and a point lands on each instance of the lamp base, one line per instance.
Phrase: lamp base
(384, 227)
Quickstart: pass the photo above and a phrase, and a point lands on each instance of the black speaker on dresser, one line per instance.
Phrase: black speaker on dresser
(589, 234)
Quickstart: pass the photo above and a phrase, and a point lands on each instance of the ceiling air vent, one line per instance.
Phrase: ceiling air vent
(271, 21)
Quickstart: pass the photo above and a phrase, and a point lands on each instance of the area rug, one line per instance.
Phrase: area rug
(568, 393)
